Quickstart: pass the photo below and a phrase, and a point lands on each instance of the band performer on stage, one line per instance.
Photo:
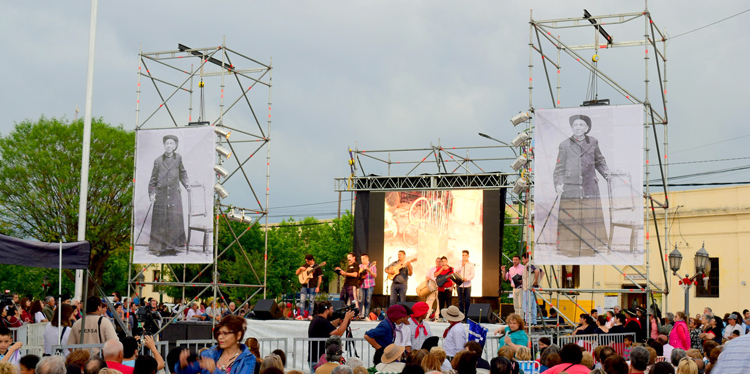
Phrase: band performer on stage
(400, 270)
(168, 219)
(580, 218)
(349, 291)
(368, 272)
(433, 297)
(445, 284)
(312, 286)
(466, 271)
(515, 277)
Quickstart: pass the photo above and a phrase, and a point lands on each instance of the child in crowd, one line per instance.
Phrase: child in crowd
(27, 364)
(8, 352)
(628, 345)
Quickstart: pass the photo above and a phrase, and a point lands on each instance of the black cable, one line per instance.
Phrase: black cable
(710, 24)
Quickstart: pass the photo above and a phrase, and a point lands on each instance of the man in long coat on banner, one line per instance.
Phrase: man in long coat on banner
(580, 222)
(167, 220)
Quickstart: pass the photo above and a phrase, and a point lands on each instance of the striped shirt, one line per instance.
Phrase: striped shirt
(369, 281)
(733, 358)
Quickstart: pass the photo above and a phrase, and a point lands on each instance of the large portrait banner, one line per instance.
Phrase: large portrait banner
(173, 196)
(588, 185)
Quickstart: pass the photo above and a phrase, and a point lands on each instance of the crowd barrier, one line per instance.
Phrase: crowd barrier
(589, 342)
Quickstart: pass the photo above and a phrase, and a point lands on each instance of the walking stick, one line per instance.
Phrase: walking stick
(144, 223)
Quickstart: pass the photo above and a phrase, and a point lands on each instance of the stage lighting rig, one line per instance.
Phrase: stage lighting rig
(212, 60)
(222, 132)
(520, 186)
(605, 34)
(221, 171)
(519, 162)
(221, 191)
(223, 151)
(519, 118)
(520, 139)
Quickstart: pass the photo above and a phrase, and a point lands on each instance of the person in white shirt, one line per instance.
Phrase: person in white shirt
(466, 271)
(389, 362)
(193, 313)
(421, 331)
(455, 336)
(51, 331)
(402, 334)
(432, 299)
(531, 277)
(732, 325)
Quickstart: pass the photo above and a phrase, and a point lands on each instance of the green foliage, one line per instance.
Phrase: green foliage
(40, 174)
(29, 281)
(288, 243)
(510, 249)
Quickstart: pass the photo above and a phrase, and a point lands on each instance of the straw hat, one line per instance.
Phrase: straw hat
(452, 314)
(392, 353)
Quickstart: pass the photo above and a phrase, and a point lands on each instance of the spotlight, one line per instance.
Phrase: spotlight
(221, 191)
(246, 219)
(221, 132)
(221, 171)
(233, 216)
(520, 139)
(519, 162)
(520, 117)
(520, 185)
(223, 151)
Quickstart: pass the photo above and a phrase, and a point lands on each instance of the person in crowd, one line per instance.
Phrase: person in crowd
(25, 305)
(713, 358)
(515, 336)
(254, 347)
(98, 328)
(321, 327)
(400, 270)
(114, 354)
(610, 319)
(688, 366)
(194, 314)
(586, 325)
(389, 362)
(432, 298)
(466, 271)
(695, 334)
(666, 347)
(351, 280)
(618, 324)
(615, 365)
(11, 317)
(9, 351)
(668, 325)
(229, 355)
(341, 369)
(639, 359)
(445, 365)
(714, 332)
(78, 357)
(732, 326)
(27, 364)
(281, 355)
(465, 362)
(145, 365)
(501, 365)
(627, 343)
(734, 357)
(640, 314)
(76, 305)
(36, 312)
(331, 340)
(523, 354)
(653, 330)
(477, 348)
(662, 368)
(274, 361)
(571, 361)
(51, 365)
(530, 280)
(431, 362)
(57, 332)
(544, 356)
(515, 277)
(633, 325)
(49, 307)
(333, 358)
(368, 272)
(677, 355)
(587, 360)
(679, 333)
(94, 365)
(601, 325)
(129, 350)
(383, 334)
(414, 358)
(506, 352)
(421, 330)
(454, 337)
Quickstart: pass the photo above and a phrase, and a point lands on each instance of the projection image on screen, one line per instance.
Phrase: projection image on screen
(431, 224)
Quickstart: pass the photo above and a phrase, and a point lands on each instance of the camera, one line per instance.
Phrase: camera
(6, 302)
(340, 313)
(150, 319)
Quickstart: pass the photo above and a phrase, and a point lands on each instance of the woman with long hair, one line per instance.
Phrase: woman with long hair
(57, 331)
(25, 304)
(36, 312)
(586, 325)
(229, 355)
(679, 336)
(254, 347)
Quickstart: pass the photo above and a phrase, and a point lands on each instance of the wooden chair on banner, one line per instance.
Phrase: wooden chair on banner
(620, 183)
(197, 208)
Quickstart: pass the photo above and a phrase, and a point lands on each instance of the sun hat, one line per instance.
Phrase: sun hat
(392, 353)
(452, 314)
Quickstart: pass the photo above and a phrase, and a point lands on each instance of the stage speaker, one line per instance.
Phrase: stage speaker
(337, 304)
(486, 315)
(408, 304)
(267, 309)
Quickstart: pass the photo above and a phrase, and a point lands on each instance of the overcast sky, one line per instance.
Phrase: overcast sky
(381, 75)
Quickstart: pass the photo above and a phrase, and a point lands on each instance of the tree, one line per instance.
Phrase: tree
(510, 249)
(40, 181)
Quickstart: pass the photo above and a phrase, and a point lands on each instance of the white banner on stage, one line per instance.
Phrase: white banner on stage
(588, 185)
(173, 195)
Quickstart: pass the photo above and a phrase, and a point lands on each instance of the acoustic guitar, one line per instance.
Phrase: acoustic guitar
(363, 273)
(307, 274)
(395, 269)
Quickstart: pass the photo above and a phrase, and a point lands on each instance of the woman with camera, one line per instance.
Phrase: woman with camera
(229, 355)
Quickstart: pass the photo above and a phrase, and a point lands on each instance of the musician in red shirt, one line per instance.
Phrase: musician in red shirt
(445, 285)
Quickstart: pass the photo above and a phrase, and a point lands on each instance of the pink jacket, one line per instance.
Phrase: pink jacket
(679, 337)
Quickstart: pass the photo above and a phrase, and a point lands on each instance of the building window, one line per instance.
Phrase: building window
(574, 271)
(712, 290)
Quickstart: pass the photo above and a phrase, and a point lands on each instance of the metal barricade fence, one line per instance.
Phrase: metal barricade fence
(616, 341)
(20, 334)
(589, 342)
(302, 348)
(268, 345)
(492, 344)
(36, 350)
(196, 345)
(35, 335)
(88, 347)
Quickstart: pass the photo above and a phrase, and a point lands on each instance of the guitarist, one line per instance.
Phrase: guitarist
(312, 287)
(351, 280)
(401, 277)
(368, 273)
(445, 284)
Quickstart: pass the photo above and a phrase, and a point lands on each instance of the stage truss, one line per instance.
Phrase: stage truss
(181, 77)
(543, 34)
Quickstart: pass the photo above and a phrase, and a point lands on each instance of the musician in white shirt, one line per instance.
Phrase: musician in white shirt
(466, 271)
(432, 298)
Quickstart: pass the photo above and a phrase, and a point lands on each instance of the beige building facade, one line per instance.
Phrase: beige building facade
(720, 217)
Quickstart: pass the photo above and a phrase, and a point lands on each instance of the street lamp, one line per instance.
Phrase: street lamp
(499, 141)
(139, 282)
(702, 267)
(45, 284)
